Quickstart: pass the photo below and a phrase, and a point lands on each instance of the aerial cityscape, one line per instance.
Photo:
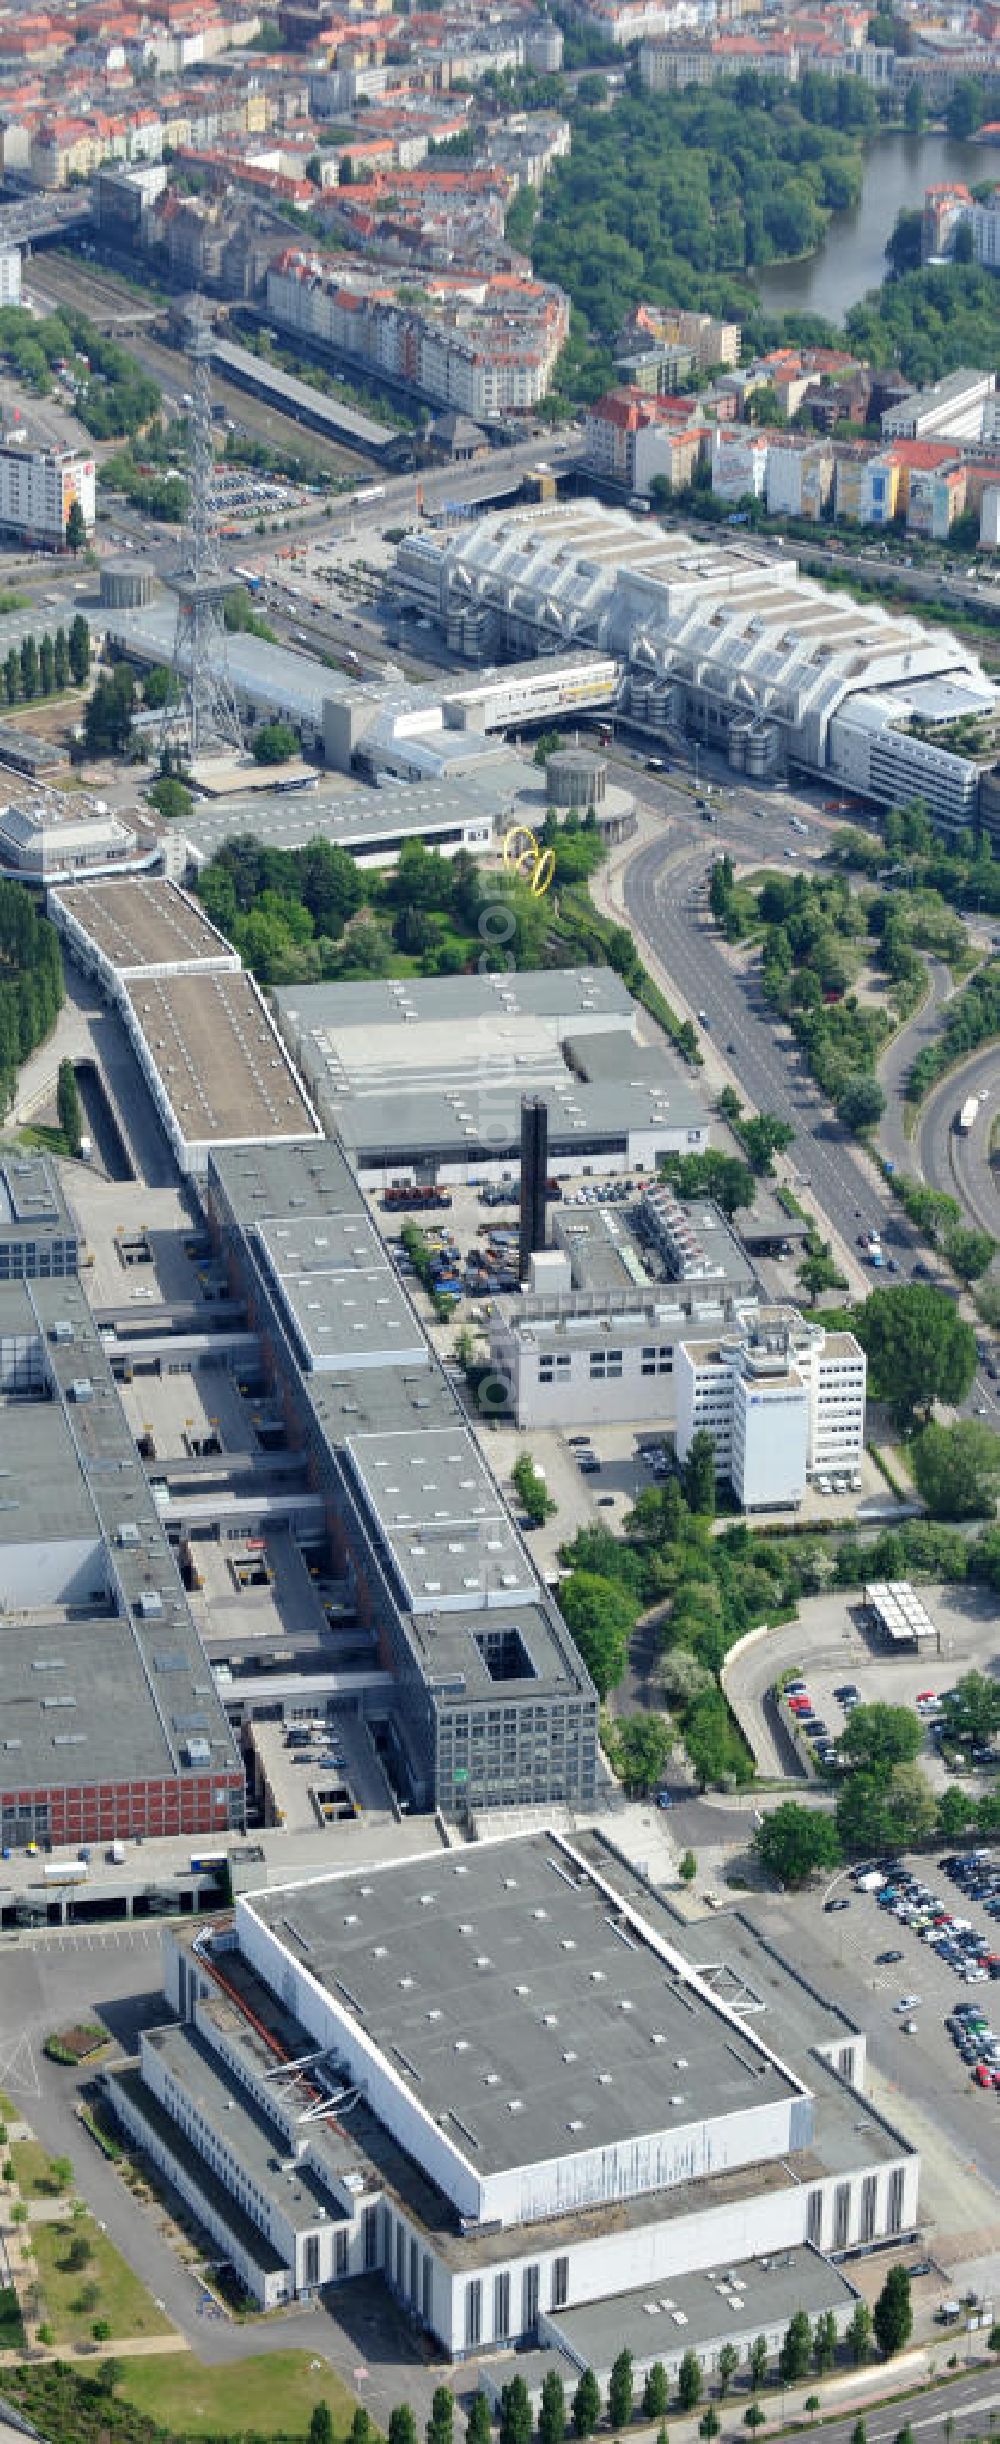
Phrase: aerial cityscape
(499, 1243)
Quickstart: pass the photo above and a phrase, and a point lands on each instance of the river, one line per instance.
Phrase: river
(852, 256)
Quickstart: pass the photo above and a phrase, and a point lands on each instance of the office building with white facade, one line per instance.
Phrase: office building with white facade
(499, 2077)
(783, 1400)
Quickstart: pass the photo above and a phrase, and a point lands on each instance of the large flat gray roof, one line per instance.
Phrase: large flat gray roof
(516, 2008)
(555, 993)
(138, 1675)
(692, 2311)
(438, 1066)
(144, 922)
(352, 814)
(218, 1057)
(343, 1298)
(436, 1508)
(32, 1202)
(404, 1411)
(286, 387)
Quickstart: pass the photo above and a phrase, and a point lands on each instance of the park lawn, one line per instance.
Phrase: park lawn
(33, 2170)
(274, 2395)
(122, 2299)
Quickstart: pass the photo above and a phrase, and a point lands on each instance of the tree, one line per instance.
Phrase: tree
(859, 2335)
(970, 1253)
(880, 1735)
(757, 2361)
(688, 1867)
(108, 718)
(76, 528)
(101, 2329)
(859, 2432)
(79, 2254)
(919, 1348)
(796, 2349)
(531, 1489)
(171, 797)
(812, 2404)
(972, 1708)
(79, 650)
(699, 1474)
(321, 2425)
(640, 1747)
(957, 1469)
(61, 2172)
(655, 2393)
(892, 2316)
(818, 1272)
(109, 2375)
(621, 2390)
(824, 2342)
(275, 743)
(762, 1139)
(754, 2417)
(552, 2409)
(361, 2426)
(517, 2425)
(441, 2424)
(861, 1102)
(914, 109)
(793, 1841)
(69, 1107)
(12, 676)
(709, 2422)
(881, 1810)
(402, 2427)
(29, 669)
(46, 665)
(586, 2404)
(600, 1616)
(689, 2381)
(728, 2362)
(993, 2341)
(60, 658)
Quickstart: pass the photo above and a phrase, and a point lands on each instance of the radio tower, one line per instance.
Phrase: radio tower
(205, 714)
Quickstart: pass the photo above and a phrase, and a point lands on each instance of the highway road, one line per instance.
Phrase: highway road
(666, 903)
(961, 1165)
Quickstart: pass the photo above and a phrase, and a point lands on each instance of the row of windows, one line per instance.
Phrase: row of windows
(530, 2287)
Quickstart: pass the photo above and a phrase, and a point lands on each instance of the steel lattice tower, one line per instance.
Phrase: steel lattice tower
(205, 714)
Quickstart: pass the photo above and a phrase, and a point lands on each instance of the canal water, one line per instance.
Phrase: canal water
(852, 257)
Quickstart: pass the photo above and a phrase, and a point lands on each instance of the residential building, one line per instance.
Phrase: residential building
(799, 477)
(487, 346)
(944, 210)
(10, 275)
(38, 488)
(713, 342)
(783, 1400)
(739, 462)
(630, 438)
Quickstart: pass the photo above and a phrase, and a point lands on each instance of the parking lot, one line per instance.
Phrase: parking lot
(829, 1649)
(919, 2080)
